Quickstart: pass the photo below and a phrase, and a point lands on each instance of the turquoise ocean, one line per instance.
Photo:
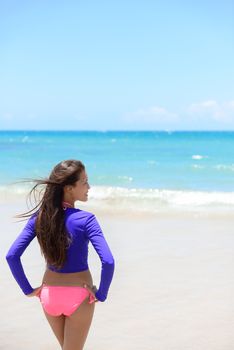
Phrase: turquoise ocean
(137, 170)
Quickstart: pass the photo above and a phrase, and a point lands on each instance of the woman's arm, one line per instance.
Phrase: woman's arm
(15, 252)
(96, 237)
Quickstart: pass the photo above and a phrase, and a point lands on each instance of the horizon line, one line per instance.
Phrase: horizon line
(112, 130)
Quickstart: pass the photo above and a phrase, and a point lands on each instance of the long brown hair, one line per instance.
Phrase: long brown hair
(50, 226)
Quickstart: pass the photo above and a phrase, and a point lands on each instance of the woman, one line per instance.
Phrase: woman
(67, 293)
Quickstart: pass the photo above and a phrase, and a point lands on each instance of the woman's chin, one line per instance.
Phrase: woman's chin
(83, 199)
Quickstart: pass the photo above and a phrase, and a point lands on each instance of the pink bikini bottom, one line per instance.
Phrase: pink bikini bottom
(58, 300)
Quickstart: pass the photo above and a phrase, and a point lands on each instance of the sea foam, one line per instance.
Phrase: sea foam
(142, 200)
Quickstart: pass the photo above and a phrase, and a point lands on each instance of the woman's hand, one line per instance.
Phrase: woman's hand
(92, 291)
(35, 293)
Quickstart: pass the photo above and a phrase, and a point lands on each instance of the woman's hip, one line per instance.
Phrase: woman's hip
(58, 300)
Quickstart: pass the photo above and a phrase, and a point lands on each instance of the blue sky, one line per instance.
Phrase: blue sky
(117, 65)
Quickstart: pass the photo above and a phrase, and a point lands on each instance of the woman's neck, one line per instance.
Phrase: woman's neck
(66, 204)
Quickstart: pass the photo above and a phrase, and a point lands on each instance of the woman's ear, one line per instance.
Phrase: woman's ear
(67, 189)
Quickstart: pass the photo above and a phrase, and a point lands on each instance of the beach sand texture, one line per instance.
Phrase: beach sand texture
(173, 287)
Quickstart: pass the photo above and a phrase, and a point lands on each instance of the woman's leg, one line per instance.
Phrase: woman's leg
(57, 324)
(77, 326)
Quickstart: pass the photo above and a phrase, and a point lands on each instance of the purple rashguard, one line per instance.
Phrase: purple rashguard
(82, 227)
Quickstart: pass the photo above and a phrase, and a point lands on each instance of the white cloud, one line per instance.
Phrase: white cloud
(213, 110)
(151, 115)
(205, 115)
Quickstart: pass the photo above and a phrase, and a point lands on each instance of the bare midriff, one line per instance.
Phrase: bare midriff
(67, 279)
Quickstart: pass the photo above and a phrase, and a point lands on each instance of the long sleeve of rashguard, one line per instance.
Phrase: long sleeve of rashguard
(96, 237)
(15, 252)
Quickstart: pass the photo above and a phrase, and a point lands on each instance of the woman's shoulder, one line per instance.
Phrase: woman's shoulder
(31, 220)
(79, 219)
(78, 214)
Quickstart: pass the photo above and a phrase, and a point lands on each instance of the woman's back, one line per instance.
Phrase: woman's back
(82, 227)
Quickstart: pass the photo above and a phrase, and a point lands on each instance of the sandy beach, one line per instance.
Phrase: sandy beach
(173, 287)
